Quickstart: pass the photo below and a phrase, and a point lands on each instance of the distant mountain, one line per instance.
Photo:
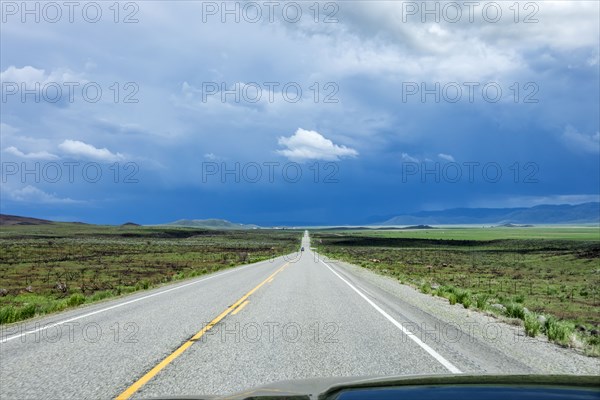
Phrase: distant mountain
(210, 223)
(542, 214)
(6, 219)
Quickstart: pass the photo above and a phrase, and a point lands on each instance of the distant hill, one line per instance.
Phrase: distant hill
(542, 214)
(418, 227)
(509, 225)
(210, 223)
(6, 219)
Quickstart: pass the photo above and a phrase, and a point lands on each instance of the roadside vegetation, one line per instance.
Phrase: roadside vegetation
(49, 268)
(546, 279)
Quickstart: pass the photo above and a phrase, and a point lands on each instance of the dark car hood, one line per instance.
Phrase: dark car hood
(323, 388)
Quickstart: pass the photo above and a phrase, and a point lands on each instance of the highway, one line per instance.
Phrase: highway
(293, 317)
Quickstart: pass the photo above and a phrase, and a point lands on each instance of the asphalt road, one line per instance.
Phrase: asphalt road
(293, 317)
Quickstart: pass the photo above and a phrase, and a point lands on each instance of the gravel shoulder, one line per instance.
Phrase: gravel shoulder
(496, 335)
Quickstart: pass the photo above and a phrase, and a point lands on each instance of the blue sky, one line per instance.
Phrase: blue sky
(184, 112)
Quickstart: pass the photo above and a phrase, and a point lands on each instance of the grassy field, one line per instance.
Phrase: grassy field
(476, 233)
(548, 277)
(48, 268)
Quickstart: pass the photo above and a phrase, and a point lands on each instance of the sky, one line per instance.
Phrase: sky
(289, 113)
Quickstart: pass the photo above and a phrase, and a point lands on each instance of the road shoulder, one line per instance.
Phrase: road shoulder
(538, 354)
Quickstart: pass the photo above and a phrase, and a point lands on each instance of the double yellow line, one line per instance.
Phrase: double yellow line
(160, 366)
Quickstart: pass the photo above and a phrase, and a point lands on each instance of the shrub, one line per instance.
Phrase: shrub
(76, 300)
(466, 302)
(27, 311)
(520, 298)
(532, 325)
(549, 321)
(481, 301)
(439, 292)
(425, 288)
(7, 314)
(445, 290)
(144, 284)
(101, 295)
(594, 340)
(558, 331)
(127, 289)
(592, 346)
(514, 310)
(178, 276)
(53, 306)
(452, 298)
(463, 297)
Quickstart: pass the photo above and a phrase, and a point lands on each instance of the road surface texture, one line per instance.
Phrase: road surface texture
(294, 317)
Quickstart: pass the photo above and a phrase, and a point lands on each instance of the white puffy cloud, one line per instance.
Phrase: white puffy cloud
(311, 145)
(447, 157)
(27, 74)
(38, 155)
(213, 157)
(84, 150)
(408, 158)
(31, 194)
(30, 76)
(580, 141)
(30, 84)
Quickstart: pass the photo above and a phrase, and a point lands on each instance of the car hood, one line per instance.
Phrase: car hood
(324, 388)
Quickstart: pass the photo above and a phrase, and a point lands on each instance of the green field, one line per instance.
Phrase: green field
(549, 271)
(48, 268)
(588, 233)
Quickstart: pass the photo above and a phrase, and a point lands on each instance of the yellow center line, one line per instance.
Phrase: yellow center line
(161, 365)
(237, 310)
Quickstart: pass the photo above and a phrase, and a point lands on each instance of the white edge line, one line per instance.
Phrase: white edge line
(449, 366)
(9, 338)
